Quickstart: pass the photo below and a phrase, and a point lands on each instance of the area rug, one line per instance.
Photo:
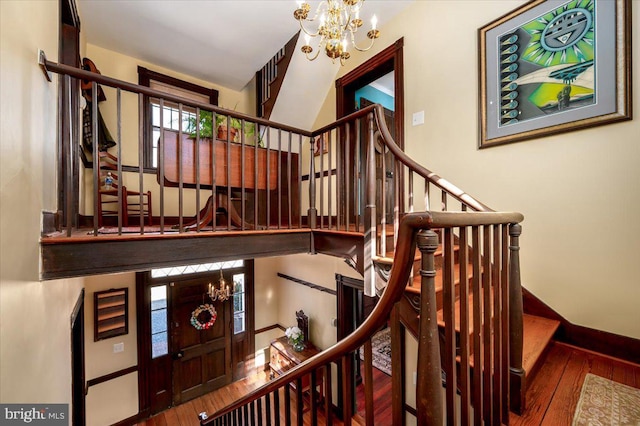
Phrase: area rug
(605, 402)
(381, 350)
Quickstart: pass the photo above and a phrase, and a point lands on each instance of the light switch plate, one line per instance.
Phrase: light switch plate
(118, 347)
(418, 118)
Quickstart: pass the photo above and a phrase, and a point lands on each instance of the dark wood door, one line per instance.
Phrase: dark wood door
(201, 358)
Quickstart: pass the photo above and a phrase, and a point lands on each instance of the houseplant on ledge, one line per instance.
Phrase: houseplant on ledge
(205, 124)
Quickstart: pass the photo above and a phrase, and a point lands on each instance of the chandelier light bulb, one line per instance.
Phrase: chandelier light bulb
(374, 22)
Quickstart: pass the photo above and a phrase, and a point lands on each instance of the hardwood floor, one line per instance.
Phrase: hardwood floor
(552, 395)
(554, 391)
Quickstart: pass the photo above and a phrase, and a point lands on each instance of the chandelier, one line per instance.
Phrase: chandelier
(338, 22)
(222, 293)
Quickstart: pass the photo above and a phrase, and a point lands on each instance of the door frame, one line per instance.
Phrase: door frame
(78, 377)
(144, 282)
(388, 60)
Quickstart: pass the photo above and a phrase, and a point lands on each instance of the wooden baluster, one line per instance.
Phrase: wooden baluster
(256, 203)
(347, 387)
(121, 212)
(465, 380)
(243, 218)
(196, 150)
(312, 397)
(161, 166)
(444, 201)
(252, 410)
(477, 327)
(260, 413)
(357, 176)
(486, 332)
(289, 183)
(180, 148)
(429, 403)
(276, 407)
(328, 395)
(322, 179)
(497, 326)
(368, 383)
(505, 322)
(287, 405)
(398, 396)
(346, 200)
(299, 403)
(267, 408)
(427, 195)
(299, 180)
(95, 153)
(450, 327)
(312, 213)
(141, 124)
(328, 143)
(268, 191)
(214, 199)
(517, 373)
(279, 178)
(370, 248)
(410, 190)
(228, 142)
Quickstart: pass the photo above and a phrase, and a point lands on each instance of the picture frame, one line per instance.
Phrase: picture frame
(553, 66)
(321, 145)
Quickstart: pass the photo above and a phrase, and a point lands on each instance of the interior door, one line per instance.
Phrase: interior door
(385, 167)
(201, 358)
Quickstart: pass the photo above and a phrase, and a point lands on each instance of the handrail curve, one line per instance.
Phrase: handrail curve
(410, 224)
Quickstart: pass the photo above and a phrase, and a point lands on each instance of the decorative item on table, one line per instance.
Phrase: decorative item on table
(296, 338)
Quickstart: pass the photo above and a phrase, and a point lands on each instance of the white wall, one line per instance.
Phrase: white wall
(35, 360)
(578, 191)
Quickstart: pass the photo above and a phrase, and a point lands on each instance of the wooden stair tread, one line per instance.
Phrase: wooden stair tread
(538, 332)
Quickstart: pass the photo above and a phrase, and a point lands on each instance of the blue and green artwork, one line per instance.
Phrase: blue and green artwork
(547, 65)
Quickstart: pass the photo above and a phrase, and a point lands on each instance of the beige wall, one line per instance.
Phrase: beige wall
(114, 400)
(35, 361)
(578, 191)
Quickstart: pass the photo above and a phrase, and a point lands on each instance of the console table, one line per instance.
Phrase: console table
(284, 358)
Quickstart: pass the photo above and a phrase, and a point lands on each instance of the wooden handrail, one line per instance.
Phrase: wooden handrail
(136, 88)
(408, 230)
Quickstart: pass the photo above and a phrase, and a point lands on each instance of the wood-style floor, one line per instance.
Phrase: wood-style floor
(552, 395)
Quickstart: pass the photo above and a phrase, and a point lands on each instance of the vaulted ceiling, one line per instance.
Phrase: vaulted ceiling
(222, 41)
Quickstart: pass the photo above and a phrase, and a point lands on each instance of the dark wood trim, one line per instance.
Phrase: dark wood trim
(143, 321)
(307, 284)
(76, 257)
(111, 376)
(351, 282)
(269, 328)
(78, 374)
(603, 342)
(409, 409)
(320, 174)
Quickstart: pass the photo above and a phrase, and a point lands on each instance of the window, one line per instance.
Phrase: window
(194, 269)
(159, 335)
(170, 114)
(239, 322)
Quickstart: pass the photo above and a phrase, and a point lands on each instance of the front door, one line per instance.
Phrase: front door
(201, 358)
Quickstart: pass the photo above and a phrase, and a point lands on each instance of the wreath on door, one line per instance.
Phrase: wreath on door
(203, 317)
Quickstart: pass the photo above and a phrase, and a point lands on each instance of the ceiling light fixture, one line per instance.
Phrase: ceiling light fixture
(339, 21)
(222, 293)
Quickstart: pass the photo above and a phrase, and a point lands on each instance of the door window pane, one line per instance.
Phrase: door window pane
(239, 322)
(159, 335)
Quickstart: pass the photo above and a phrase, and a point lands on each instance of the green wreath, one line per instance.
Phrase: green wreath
(213, 316)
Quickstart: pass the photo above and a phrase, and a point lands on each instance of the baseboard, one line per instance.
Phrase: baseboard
(603, 342)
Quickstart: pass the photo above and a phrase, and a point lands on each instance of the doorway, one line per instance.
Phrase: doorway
(193, 345)
(358, 89)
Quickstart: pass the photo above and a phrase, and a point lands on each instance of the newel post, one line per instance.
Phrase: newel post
(429, 401)
(516, 372)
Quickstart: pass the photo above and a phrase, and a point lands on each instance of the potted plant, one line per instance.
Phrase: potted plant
(207, 130)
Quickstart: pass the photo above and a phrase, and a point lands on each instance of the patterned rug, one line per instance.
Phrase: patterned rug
(381, 350)
(605, 402)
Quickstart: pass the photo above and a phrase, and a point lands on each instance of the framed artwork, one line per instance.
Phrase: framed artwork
(321, 145)
(553, 66)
